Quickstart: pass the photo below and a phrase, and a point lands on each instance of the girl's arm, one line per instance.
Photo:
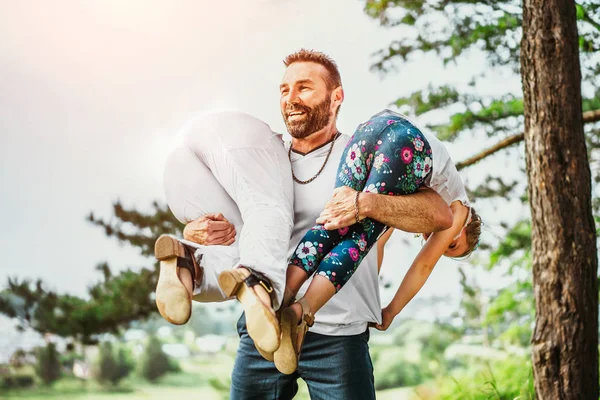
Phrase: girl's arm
(423, 264)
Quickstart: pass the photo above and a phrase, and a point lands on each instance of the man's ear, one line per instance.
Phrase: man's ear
(337, 96)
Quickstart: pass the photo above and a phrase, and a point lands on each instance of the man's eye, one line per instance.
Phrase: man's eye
(452, 246)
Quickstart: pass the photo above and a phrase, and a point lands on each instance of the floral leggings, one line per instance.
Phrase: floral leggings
(386, 155)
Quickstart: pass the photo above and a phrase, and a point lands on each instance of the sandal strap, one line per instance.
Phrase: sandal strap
(187, 262)
(307, 315)
(256, 278)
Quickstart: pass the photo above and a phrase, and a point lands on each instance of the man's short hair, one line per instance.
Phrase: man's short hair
(333, 80)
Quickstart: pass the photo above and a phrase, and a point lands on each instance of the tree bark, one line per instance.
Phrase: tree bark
(565, 338)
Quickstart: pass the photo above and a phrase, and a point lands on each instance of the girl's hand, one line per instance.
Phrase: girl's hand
(386, 320)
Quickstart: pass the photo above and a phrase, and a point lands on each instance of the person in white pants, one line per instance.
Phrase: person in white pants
(231, 166)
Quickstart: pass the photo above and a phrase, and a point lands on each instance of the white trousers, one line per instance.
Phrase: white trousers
(232, 163)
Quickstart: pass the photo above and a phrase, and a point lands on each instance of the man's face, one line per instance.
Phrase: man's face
(305, 99)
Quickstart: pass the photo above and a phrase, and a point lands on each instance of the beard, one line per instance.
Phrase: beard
(316, 118)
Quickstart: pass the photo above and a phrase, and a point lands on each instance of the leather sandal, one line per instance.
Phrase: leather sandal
(173, 300)
(288, 298)
(262, 325)
(292, 337)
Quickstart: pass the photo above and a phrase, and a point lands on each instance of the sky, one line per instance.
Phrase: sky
(93, 94)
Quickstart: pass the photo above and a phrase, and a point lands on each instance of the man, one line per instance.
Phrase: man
(335, 361)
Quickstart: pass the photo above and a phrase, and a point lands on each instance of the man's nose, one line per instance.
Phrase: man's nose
(293, 97)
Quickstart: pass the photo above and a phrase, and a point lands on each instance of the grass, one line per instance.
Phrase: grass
(186, 384)
(207, 379)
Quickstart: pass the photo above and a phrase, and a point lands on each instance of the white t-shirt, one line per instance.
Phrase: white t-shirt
(358, 302)
(444, 177)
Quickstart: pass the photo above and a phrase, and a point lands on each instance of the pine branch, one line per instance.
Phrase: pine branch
(588, 116)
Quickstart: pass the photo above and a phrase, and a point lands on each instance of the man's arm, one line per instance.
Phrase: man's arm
(422, 212)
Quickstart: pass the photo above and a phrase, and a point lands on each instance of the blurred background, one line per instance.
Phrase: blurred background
(92, 96)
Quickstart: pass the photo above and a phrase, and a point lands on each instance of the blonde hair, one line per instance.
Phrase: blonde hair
(473, 231)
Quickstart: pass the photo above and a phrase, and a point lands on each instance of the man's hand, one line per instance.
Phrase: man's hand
(210, 229)
(386, 320)
(339, 211)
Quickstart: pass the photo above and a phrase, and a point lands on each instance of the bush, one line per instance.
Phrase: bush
(112, 368)
(155, 363)
(18, 359)
(393, 369)
(17, 382)
(48, 365)
(508, 379)
(400, 374)
(173, 365)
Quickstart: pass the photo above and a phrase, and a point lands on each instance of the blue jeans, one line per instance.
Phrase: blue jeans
(333, 367)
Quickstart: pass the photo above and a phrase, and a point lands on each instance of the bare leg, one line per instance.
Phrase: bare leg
(293, 328)
(295, 278)
(320, 291)
(186, 278)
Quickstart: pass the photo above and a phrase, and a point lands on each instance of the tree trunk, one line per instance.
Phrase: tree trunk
(565, 338)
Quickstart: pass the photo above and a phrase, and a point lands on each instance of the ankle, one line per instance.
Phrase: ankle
(297, 308)
(244, 271)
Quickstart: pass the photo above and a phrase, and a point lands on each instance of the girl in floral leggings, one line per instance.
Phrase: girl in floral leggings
(386, 155)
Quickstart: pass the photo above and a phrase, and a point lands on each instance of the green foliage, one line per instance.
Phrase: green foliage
(17, 382)
(18, 359)
(393, 369)
(471, 305)
(154, 363)
(510, 314)
(114, 365)
(454, 29)
(137, 228)
(48, 365)
(508, 379)
(400, 374)
(113, 302)
(518, 239)
(435, 344)
(221, 385)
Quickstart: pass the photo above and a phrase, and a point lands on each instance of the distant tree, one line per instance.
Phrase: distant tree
(154, 363)
(114, 302)
(114, 365)
(48, 365)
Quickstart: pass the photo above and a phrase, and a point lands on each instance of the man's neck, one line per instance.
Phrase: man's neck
(314, 140)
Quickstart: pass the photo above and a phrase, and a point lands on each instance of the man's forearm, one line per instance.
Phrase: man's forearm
(422, 212)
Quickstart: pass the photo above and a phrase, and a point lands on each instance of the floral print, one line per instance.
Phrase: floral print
(306, 249)
(386, 155)
(407, 155)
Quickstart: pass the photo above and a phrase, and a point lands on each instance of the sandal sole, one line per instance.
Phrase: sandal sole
(265, 354)
(262, 325)
(173, 300)
(286, 358)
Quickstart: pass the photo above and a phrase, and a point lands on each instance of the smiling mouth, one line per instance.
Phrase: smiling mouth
(295, 115)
